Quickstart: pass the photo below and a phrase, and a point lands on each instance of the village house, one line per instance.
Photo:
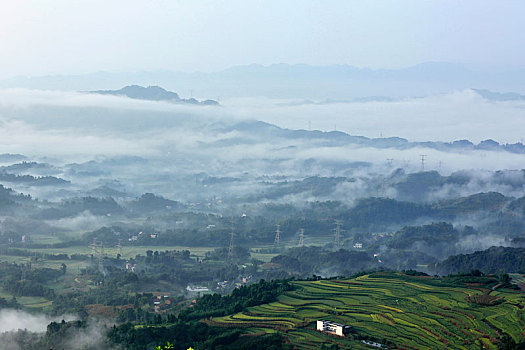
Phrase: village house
(333, 328)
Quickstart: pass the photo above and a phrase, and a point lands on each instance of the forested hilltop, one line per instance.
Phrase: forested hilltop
(153, 93)
(492, 260)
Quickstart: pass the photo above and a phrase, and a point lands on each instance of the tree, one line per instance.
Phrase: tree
(504, 278)
(168, 346)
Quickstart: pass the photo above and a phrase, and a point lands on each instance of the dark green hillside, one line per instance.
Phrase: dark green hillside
(432, 234)
(149, 202)
(75, 206)
(492, 260)
(380, 211)
(481, 201)
(415, 186)
(518, 205)
(311, 260)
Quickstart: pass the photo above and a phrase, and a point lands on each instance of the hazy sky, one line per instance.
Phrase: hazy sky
(64, 36)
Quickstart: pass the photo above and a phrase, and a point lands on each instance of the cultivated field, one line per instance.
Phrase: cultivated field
(410, 312)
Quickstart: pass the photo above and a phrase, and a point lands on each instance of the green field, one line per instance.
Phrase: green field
(127, 251)
(411, 312)
(30, 303)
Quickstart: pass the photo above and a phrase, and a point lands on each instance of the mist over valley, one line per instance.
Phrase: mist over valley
(262, 175)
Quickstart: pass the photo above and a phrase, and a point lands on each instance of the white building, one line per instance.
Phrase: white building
(333, 328)
(197, 289)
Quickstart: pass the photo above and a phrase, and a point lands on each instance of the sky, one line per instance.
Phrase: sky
(41, 37)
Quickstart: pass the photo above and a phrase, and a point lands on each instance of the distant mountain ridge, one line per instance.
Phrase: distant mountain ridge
(337, 82)
(268, 131)
(153, 93)
(499, 96)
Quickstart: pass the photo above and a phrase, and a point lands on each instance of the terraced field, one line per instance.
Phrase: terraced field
(410, 312)
(518, 279)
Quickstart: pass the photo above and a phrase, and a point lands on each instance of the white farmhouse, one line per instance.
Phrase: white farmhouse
(333, 328)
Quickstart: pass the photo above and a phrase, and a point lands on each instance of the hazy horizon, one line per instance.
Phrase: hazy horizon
(63, 37)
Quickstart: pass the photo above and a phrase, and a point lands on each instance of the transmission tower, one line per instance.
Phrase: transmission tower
(301, 237)
(93, 247)
(101, 257)
(230, 248)
(277, 235)
(97, 251)
(423, 156)
(337, 235)
(24, 268)
(390, 160)
(23, 272)
(119, 247)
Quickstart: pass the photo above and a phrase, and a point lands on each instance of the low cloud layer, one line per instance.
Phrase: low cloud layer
(448, 117)
(85, 221)
(78, 127)
(18, 328)
(11, 319)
